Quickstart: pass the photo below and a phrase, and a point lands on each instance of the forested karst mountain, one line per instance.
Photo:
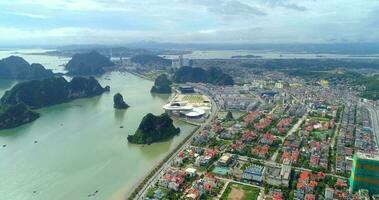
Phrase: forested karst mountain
(41, 93)
(212, 75)
(161, 85)
(91, 63)
(15, 67)
(153, 129)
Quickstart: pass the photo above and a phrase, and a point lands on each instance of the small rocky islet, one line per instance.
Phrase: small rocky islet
(154, 129)
(118, 102)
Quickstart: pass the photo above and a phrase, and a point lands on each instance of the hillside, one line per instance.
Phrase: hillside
(194, 74)
(154, 129)
(91, 63)
(15, 115)
(41, 93)
(15, 67)
(161, 85)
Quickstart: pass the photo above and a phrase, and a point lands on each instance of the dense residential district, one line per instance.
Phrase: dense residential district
(271, 137)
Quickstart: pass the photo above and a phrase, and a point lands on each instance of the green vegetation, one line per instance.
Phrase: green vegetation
(15, 67)
(15, 115)
(193, 98)
(41, 93)
(370, 84)
(229, 116)
(88, 64)
(161, 85)
(310, 64)
(15, 103)
(118, 102)
(153, 129)
(198, 75)
(248, 192)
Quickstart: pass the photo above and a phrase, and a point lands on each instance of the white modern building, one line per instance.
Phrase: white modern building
(183, 109)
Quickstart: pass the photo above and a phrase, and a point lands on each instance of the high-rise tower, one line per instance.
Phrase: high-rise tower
(365, 173)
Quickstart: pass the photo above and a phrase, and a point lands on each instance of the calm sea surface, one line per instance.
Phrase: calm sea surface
(80, 146)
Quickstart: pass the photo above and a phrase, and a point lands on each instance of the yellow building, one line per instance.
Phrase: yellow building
(279, 85)
(324, 83)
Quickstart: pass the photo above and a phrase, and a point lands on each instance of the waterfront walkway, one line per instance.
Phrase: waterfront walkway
(152, 180)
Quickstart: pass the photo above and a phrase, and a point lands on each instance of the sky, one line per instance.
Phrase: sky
(64, 22)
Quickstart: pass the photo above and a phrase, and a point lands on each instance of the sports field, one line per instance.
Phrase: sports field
(235, 191)
(193, 99)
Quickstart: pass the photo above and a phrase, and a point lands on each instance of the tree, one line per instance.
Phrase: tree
(229, 116)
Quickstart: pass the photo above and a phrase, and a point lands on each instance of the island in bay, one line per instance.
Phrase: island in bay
(118, 102)
(154, 129)
(15, 67)
(16, 103)
(15, 115)
(161, 85)
(91, 63)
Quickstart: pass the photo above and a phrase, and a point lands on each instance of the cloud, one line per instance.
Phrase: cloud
(254, 21)
(75, 5)
(30, 15)
(234, 8)
(285, 4)
(228, 7)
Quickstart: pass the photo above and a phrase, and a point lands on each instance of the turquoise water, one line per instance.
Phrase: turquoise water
(80, 147)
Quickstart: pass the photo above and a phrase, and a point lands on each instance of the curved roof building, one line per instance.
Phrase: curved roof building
(184, 109)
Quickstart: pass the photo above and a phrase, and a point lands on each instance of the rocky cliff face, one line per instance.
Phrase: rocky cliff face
(41, 93)
(154, 129)
(118, 102)
(15, 67)
(161, 85)
(88, 64)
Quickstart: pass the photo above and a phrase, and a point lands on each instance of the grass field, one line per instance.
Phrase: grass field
(235, 191)
(193, 98)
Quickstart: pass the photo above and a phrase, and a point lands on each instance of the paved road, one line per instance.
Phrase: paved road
(143, 192)
(290, 132)
(374, 115)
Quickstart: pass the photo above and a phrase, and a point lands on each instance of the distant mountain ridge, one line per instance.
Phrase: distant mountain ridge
(15, 67)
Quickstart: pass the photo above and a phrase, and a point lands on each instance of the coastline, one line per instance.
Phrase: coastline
(157, 171)
(138, 74)
(123, 194)
(143, 181)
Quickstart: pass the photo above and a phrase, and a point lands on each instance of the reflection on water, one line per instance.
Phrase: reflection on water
(119, 114)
